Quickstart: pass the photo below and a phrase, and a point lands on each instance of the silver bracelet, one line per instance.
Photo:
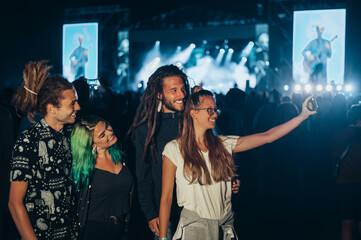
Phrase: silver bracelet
(164, 238)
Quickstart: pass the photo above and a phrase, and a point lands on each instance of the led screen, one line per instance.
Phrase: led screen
(319, 46)
(80, 51)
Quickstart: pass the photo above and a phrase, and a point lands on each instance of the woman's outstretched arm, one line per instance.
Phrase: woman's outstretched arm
(259, 139)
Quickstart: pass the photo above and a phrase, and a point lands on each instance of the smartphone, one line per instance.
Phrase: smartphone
(312, 104)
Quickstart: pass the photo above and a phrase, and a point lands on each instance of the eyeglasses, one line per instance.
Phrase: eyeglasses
(210, 111)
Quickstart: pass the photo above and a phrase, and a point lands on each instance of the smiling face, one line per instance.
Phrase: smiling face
(103, 136)
(173, 94)
(68, 107)
(201, 118)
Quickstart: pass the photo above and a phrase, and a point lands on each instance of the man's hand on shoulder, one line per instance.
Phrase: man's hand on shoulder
(236, 183)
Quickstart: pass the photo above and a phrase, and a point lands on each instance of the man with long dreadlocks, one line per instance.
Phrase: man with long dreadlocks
(40, 199)
(155, 124)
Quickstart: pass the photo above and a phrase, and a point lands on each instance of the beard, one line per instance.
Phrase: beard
(172, 106)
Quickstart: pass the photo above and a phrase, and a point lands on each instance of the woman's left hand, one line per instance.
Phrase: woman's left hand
(306, 112)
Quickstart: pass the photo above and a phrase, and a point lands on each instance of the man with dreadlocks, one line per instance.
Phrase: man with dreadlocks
(155, 124)
(40, 199)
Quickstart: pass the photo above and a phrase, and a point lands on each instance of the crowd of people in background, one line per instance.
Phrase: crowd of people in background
(306, 185)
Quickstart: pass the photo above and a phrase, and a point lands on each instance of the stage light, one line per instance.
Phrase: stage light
(140, 85)
(204, 41)
(339, 88)
(308, 88)
(319, 87)
(247, 50)
(217, 47)
(207, 52)
(179, 64)
(298, 87)
(192, 45)
(155, 63)
(177, 51)
(149, 60)
(219, 56)
(228, 57)
(267, 63)
(226, 41)
(286, 87)
(329, 88)
(348, 88)
(244, 59)
(182, 55)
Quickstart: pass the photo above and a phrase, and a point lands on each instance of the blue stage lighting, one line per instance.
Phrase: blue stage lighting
(319, 87)
(308, 88)
(348, 88)
(298, 87)
(329, 88)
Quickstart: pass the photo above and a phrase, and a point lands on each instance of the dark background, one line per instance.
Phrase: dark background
(32, 30)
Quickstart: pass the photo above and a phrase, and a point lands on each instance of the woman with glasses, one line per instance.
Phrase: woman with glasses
(103, 182)
(202, 166)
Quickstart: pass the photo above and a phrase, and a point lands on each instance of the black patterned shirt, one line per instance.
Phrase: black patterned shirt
(42, 158)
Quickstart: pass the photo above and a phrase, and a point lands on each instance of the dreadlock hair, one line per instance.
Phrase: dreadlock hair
(38, 89)
(82, 151)
(195, 168)
(148, 107)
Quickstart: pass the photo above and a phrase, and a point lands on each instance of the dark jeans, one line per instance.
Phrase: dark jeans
(103, 230)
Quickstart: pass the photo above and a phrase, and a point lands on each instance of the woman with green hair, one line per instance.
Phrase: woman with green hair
(103, 183)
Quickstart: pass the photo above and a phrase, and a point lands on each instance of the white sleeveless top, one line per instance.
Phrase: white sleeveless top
(208, 201)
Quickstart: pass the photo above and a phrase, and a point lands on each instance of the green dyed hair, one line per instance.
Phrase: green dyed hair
(82, 151)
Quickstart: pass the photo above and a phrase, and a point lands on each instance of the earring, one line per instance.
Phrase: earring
(94, 150)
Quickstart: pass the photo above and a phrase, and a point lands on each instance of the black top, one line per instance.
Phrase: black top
(110, 194)
(42, 158)
(149, 173)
